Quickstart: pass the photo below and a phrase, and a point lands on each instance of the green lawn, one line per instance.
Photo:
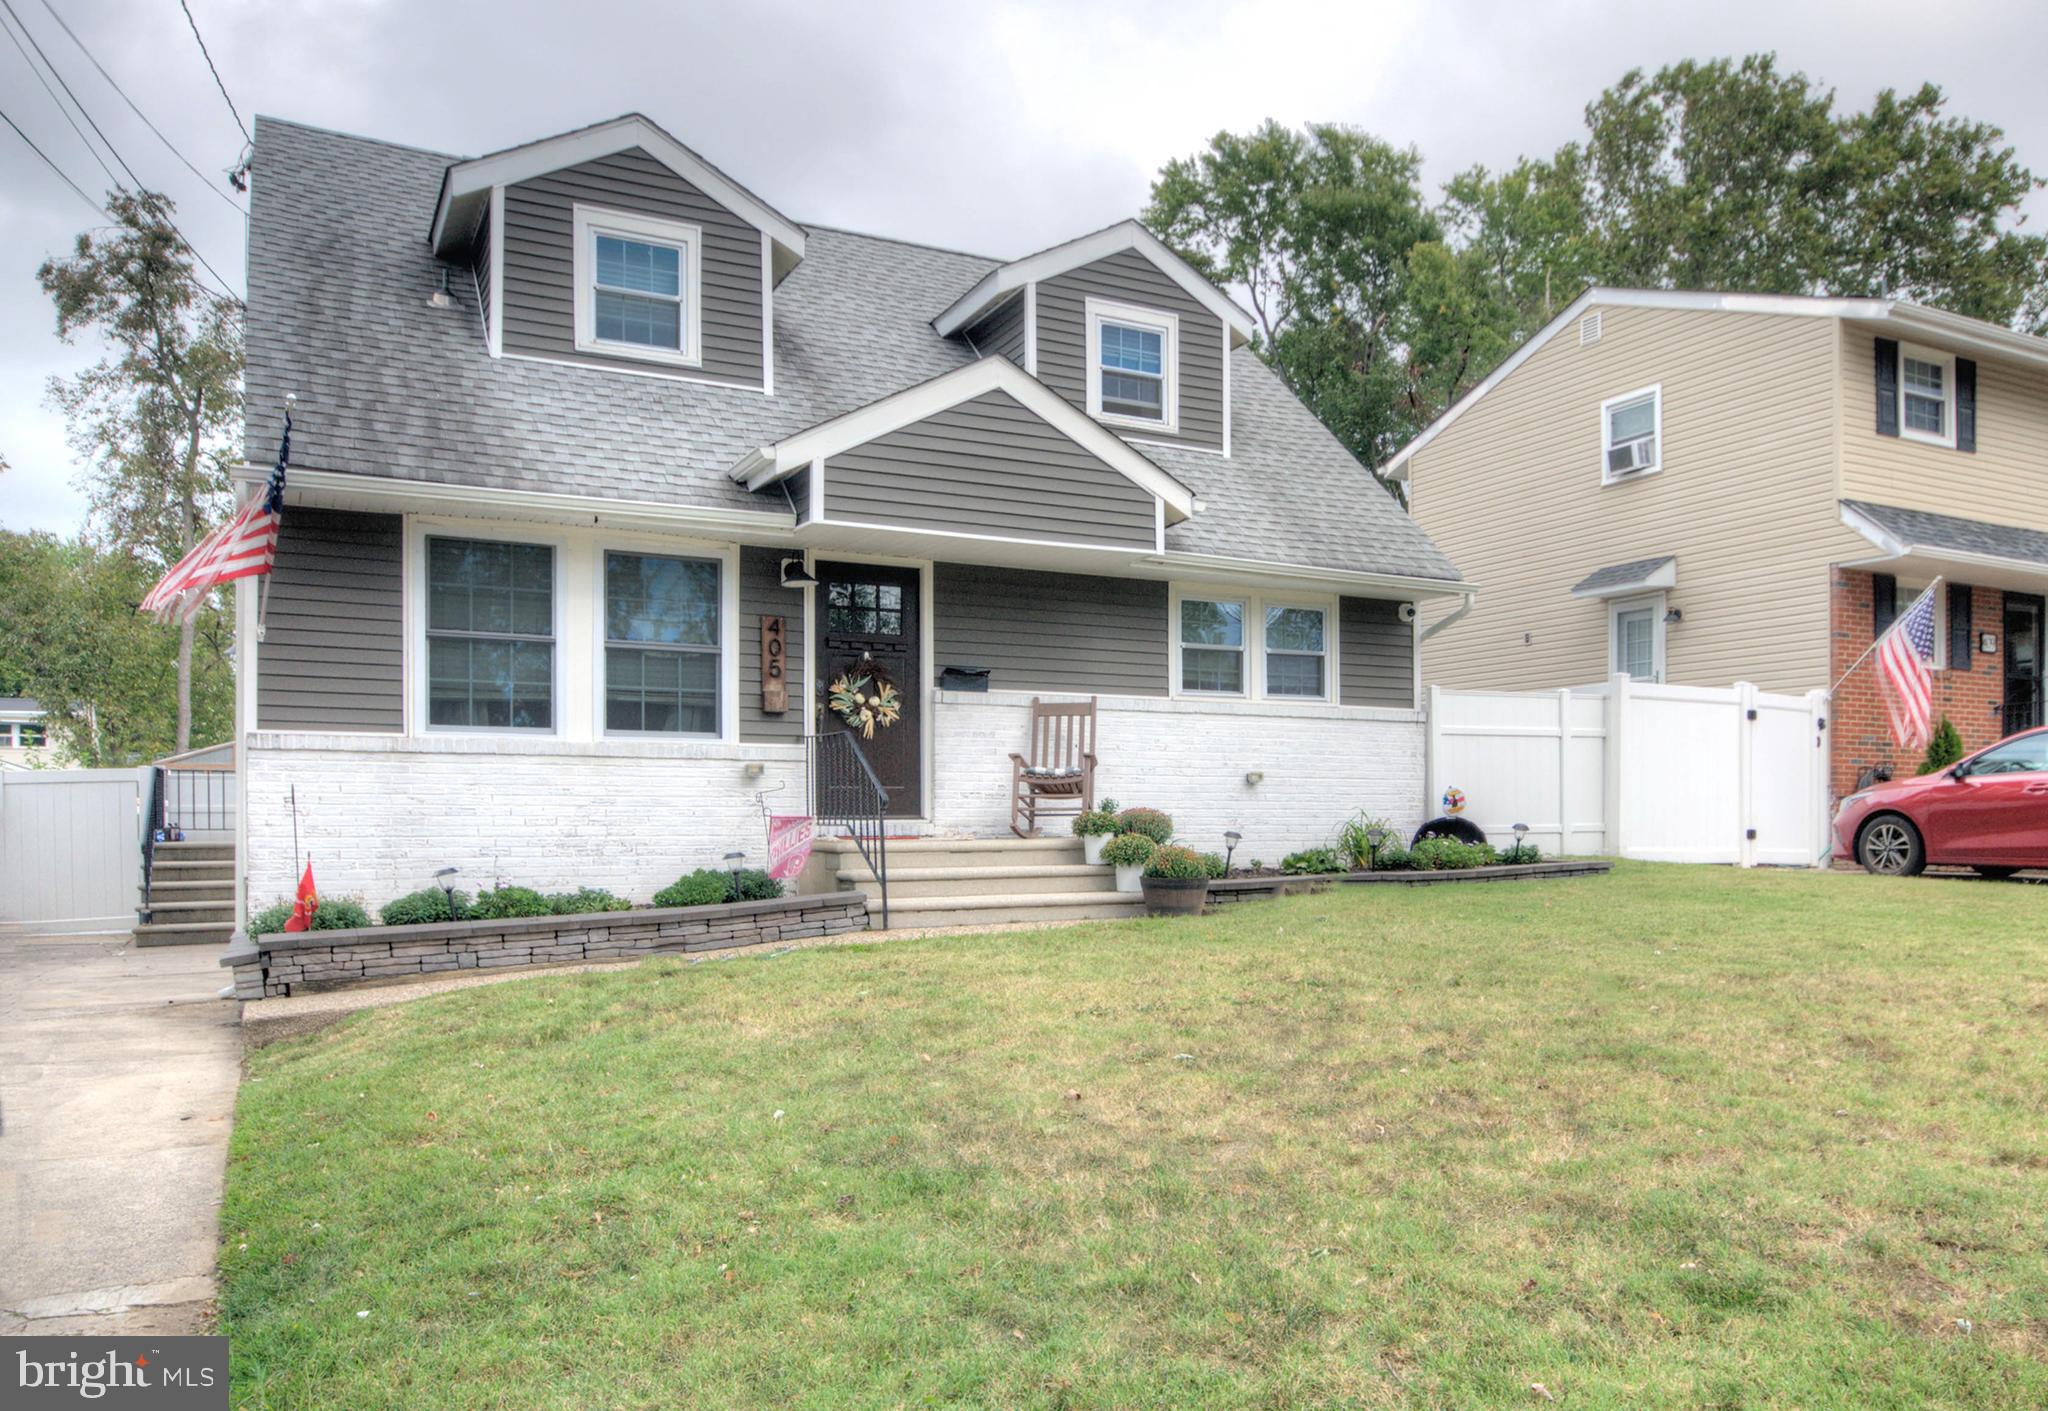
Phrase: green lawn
(1676, 1137)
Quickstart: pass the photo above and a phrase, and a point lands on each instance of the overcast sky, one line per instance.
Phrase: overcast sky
(995, 128)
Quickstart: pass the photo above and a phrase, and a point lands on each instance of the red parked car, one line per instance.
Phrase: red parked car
(1989, 812)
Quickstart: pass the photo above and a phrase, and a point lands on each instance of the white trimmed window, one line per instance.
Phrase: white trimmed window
(1927, 395)
(661, 645)
(490, 635)
(1297, 652)
(1212, 648)
(638, 286)
(1133, 362)
(1631, 435)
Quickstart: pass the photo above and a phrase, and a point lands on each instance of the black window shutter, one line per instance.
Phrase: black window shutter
(1887, 387)
(1966, 406)
(1959, 635)
(1884, 602)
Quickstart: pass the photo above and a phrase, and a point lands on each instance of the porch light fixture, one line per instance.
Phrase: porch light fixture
(795, 575)
(1230, 842)
(447, 887)
(442, 298)
(1673, 616)
(752, 769)
(1255, 776)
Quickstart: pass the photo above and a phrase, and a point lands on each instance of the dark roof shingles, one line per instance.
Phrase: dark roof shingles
(1923, 529)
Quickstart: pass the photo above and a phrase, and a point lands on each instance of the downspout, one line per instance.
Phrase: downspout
(1462, 608)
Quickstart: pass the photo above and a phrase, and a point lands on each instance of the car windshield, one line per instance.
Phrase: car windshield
(2026, 755)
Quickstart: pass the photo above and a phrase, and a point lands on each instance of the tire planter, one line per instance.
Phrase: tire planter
(1130, 877)
(1175, 896)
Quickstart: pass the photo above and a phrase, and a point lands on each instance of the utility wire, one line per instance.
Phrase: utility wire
(135, 181)
(111, 83)
(61, 173)
(62, 111)
(217, 83)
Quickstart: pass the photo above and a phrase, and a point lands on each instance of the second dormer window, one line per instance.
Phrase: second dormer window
(1132, 356)
(636, 286)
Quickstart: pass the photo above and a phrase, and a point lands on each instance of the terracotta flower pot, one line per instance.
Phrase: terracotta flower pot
(1175, 896)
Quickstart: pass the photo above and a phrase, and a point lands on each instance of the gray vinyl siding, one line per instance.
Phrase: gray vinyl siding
(761, 594)
(1130, 278)
(989, 466)
(539, 299)
(1001, 334)
(1052, 632)
(1375, 654)
(333, 649)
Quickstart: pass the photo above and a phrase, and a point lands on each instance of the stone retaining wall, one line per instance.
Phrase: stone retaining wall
(280, 964)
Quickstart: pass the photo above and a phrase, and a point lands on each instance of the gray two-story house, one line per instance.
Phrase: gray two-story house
(604, 471)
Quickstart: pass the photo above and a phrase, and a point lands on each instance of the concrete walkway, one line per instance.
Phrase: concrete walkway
(117, 1086)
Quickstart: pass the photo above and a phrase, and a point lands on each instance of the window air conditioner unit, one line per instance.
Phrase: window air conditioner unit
(1631, 456)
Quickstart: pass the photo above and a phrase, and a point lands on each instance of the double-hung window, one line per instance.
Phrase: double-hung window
(661, 645)
(637, 286)
(1297, 652)
(1132, 356)
(490, 635)
(1927, 396)
(1631, 432)
(1212, 646)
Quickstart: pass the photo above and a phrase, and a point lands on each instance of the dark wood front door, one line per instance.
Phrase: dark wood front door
(868, 626)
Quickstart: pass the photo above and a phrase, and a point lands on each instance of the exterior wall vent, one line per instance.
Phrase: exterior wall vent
(1589, 329)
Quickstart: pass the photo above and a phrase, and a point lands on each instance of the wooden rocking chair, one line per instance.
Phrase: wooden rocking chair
(1058, 777)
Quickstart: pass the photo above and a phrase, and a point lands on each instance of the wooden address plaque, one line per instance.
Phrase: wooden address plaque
(774, 667)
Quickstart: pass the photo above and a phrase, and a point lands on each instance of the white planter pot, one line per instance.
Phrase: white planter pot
(1091, 847)
(1130, 879)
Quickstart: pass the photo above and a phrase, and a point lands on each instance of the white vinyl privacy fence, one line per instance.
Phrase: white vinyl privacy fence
(70, 848)
(1629, 769)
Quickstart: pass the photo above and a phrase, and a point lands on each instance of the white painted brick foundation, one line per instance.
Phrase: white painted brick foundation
(1190, 758)
(379, 815)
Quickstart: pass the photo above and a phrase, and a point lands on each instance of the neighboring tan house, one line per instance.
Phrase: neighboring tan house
(1710, 488)
(24, 739)
(578, 423)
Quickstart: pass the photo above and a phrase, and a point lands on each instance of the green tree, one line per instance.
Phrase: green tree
(70, 637)
(1944, 747)
(1316, 227)
(155, 420)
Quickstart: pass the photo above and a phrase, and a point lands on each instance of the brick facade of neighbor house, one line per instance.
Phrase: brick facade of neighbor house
(1968, 695)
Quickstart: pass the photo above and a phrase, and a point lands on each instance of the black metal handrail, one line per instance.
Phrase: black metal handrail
(198, 800)
(151, 821)
(846, 793)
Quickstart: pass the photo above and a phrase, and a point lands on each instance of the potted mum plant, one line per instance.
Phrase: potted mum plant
(1128, 853)
(1176, 880)
(1095, 827)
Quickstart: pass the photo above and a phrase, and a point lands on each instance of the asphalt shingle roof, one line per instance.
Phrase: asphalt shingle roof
(1620, 575)
(339, 274)
(1923, 530)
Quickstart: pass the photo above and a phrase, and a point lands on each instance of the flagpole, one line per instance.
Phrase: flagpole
(295, 829)
(1896, 620)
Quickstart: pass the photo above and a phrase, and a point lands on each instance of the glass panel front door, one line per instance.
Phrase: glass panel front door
(1635, 643)
(2023, 661)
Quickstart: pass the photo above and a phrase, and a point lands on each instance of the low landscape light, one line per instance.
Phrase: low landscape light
(733, 862)
(1521, 831)
(447, 887)
(1230, 841)
(1375, 839)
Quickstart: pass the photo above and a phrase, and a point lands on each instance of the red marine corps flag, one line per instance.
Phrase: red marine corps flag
(243, 547)
(306, 903)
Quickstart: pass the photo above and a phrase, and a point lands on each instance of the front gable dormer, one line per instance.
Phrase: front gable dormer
(616, 246)
(1118, 325)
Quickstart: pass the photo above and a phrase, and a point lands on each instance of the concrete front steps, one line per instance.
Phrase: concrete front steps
(984, 881)
(189, 899)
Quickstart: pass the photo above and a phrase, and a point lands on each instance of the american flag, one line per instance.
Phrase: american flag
(246, 545)
(1903, 660)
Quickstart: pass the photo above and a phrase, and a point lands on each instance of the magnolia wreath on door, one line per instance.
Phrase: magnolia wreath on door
(865, 698)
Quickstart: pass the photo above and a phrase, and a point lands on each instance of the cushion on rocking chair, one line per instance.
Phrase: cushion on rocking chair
(1043, 772)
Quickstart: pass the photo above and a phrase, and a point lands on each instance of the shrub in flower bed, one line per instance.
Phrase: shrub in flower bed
(422, 908)
(584, 900)
(707, 886)
(1150, 821)
(752, 884)
(1522, 853)
(332, 914)
(1312, 860)
(504, 903)
(1450, 855)
(1393, 858)
(1173, 860)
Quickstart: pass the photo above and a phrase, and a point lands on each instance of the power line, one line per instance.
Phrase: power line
(217, 83)
(62, 175)
(111, 83)
(62, 111)
(134, 180)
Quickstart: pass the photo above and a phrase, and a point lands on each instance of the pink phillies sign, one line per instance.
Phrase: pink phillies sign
(789, 844)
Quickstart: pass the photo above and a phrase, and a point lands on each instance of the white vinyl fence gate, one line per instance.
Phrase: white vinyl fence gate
(1630, 769)
(70, 849)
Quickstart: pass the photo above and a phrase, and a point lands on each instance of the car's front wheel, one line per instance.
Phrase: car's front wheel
(1994, 874)
(1890, 846)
